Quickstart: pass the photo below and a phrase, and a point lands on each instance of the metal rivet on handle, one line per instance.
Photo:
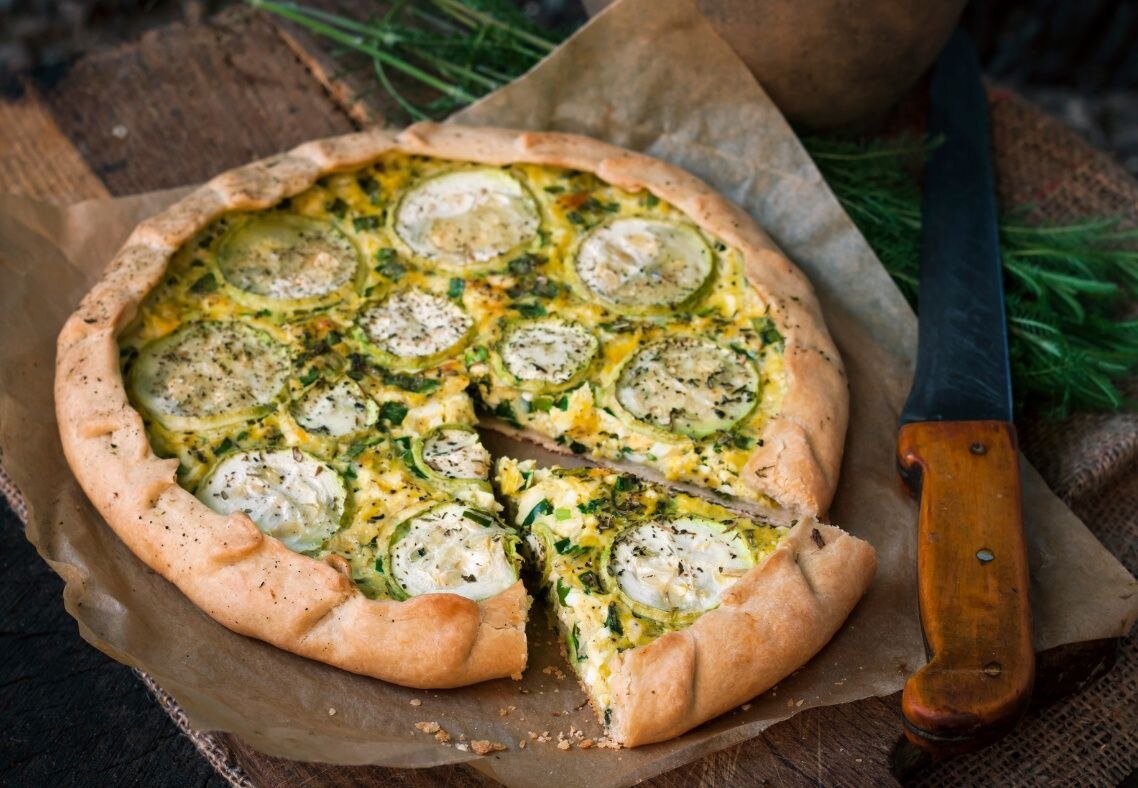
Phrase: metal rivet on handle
(985, 555)
(993, 668)
(978, 448)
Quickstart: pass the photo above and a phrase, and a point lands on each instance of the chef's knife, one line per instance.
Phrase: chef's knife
(957, 445)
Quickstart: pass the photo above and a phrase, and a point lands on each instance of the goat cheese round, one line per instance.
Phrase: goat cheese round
(456, 453)
(289, 495)
(649, 264)
(335, 409)
(548, 351)
(413, 324)
(287, 257)
(679, 566)
(454, 549)
(689, 385)
(209, 374)
(467, 217)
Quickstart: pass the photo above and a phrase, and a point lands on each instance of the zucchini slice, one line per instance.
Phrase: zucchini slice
(548, 354)
(336, 410)
(688, 385)
(290, 495)
(414, 328)
(209, 374)
(645, 265)
(467, 218)
(286, 260)
(675, 570)
(455, 452)
(453, 549)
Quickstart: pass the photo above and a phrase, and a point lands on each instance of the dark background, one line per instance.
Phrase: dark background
(59, 696)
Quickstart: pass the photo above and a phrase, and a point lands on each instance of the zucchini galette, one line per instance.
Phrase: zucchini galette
(273, 393)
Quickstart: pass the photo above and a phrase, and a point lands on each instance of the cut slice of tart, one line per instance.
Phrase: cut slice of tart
(673, 610)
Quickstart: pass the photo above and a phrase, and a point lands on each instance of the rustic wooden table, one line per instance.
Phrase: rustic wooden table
(173, 109)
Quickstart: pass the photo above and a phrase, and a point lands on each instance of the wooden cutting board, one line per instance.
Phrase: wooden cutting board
(188, 101)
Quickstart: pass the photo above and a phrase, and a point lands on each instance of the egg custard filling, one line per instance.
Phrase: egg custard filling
(321, 366)
(624, 561)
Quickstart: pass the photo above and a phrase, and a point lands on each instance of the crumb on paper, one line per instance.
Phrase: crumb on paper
(427, 727)
(442, 737)
(747, 707)
(800, 701)
(790, 703)
(517, 677)
(585, 744)
(563, 744)
(608, 744)
(553, 670)
(462, 746)
(415, 702)
(485, 746)
(505, 711)
(331, 712)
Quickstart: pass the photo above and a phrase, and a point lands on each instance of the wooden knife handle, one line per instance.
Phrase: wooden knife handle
(972, 584)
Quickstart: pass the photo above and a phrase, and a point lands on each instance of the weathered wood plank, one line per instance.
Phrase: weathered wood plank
(37, 159)
(189, 101)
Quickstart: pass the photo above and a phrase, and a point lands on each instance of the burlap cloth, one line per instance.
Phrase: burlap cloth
(1091, 738)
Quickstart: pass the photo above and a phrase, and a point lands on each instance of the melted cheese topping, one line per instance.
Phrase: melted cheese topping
(287, 257)
(451, 549)
(209, 374)
(289, 495)
(682, 565)
(414, 324)
(456, 454)
(336, 410)
(688, 384)
(467, 217)
(644, 262)
(548, 351)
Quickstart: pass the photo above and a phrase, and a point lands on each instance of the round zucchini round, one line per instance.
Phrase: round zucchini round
(646, 266)
(454, 451)
(287, 261)
(688, 385)
(288, 494)
(210, 374)
(414, 329)
(453, 549)
(546, 354)
(675, 570)
(335, 409)
(467, 217)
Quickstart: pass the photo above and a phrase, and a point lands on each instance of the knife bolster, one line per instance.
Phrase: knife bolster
(972, 584)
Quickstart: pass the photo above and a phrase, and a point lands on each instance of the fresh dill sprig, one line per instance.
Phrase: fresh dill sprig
(1065, 285)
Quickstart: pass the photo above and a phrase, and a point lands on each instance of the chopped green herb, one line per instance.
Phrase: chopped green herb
(562, 402)
(542, 507)
(355, 450)
(541, 404)
(578, 448)
(554, 189)
(575, 218)
(626, 482)
(416, 384)
(337, 208)
(649, 200)
(392, 269)
(744, 442)
(767, 331)
(309, 377)
(575, 642)
(744, 351)
(476, 355)
(263, 313)
(361, 223)
(590, 506)
(371, 188)
(223, 447)
(529, 309)
(206, 284)
(379, 564)
(561, 513)
(562, 591)
(350, 472)
(524, 264)
(613, 620)
(456, 287)
(505, 411)
(590, 581)
(393, 412)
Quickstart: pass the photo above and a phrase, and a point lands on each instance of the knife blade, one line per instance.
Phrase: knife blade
(956, 446)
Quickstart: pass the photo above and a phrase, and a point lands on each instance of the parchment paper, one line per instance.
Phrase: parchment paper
(650, 75)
